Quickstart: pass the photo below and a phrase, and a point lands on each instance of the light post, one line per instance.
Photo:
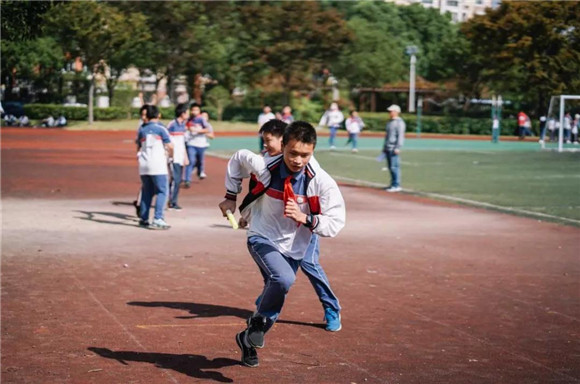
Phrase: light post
(419, 110)
(412, 50)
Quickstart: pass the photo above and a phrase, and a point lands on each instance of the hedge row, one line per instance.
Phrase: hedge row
(373, 121)
(432, 124)
(42, 111)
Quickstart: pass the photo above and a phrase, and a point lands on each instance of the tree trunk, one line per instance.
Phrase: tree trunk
(91, 95)
(197, 88)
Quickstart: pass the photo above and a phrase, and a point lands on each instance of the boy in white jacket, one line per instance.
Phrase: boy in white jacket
(293, 199)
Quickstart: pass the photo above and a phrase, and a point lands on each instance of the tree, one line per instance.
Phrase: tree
(95, 31)
(219, 98)
(39, 60)
(289, 39)
(382, 30)
(375, 56)
(526, 50)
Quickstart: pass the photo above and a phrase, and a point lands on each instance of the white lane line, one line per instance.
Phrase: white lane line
(459, 200)
(474, 203)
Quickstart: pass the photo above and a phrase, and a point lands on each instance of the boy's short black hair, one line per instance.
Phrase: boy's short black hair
(180, 109)
(194, 105)
(152, 112)
(143, 108)
(274, 127)
(300, 131)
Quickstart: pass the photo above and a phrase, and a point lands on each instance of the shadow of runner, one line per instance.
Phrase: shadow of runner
(212, 310)
(191, 365)
(197, 309)
(91, 216)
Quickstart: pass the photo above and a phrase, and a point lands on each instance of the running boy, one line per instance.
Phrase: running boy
(272, 132)
(293, 199)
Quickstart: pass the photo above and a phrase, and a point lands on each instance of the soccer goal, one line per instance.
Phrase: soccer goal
(559, 106)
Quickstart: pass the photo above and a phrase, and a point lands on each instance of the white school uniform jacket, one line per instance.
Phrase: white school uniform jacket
(266, 207)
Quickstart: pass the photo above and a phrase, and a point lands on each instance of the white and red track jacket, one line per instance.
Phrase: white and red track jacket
(265, 204)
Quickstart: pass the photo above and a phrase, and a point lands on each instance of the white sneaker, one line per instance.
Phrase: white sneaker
(159, 224)
(202, 176)
(332, 147)
(354, 150)
(384, 169)
(394, 189)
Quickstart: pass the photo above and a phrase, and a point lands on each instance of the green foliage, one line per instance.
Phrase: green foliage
(241, 114)
(218, 98)
(22, 20)
(525, 50)
(382, 30)
(41, 111)
(284, 42)
(433, 124)
(307, 110)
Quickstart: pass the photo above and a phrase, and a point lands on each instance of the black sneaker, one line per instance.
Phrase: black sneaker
(137, 208)
(187, 185)
(255, 336)
(143, 224)
(175, 207)
(249, 354)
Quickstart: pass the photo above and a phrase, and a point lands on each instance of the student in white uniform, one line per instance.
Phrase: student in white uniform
(152, 143)
(293, 199)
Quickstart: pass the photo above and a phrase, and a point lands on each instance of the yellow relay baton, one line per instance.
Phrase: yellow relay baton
(232, 219)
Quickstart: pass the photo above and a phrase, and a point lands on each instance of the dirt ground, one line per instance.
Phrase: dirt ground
(431, 292)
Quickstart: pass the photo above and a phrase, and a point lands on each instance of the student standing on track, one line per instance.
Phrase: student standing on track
(177, 132)
(142, 120)
(293, 199)
(272, 132)
(395, 136)
(332, 118)
(196, 141)
(152, 142)
(354, 126)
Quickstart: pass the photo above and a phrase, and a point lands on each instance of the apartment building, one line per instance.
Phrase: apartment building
(460, 10)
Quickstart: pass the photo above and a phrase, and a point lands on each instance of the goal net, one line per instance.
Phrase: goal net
(563, 114)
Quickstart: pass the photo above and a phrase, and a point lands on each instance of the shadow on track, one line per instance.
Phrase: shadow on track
(212, 310)
(191, 365)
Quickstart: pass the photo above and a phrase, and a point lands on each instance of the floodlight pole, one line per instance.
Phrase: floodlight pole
(561, 133)
(412, 83)
(412, 50)
(499, 107)
(419, 110)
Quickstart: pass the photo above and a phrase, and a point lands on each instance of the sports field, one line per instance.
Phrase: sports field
(431, 291)
(516, 177)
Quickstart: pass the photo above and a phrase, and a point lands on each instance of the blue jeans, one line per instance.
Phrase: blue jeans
(196, 157)
(177, 172)
(333, 130)
(310, 265)
(279, 273)
(153, 185)
(393, 163)
(353, 137)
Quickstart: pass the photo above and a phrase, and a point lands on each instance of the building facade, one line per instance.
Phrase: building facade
(460, 10)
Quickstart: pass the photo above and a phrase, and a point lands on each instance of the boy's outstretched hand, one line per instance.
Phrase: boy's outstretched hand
(227, 205)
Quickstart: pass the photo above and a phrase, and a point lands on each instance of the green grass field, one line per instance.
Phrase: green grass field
(515, 177)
